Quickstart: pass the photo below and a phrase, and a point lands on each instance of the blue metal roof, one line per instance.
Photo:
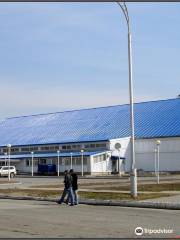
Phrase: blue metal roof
(52, 154)
(152, 119)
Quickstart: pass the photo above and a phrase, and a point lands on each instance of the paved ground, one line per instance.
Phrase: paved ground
(171, 199)
(35, 219)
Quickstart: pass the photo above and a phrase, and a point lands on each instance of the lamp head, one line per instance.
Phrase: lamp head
(82, 150)
(158, 142)
(8, 145)
(32, 153)
(58, 151)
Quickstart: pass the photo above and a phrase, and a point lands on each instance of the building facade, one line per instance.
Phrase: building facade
(86, 140)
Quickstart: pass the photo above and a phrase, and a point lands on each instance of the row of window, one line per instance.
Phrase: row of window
(72, 147)
(99, 158)
(62, 161)
(97, 145)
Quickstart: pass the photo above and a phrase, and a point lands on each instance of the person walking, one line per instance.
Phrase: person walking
(74, 185)
(67, 189)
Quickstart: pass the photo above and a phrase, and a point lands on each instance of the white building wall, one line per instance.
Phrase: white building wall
(169, 154)
(124, 151)
(101, 167)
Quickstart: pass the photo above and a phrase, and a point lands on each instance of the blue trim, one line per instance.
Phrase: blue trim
(53, 154)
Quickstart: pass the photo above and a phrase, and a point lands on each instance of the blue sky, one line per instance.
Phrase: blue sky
(58, 56)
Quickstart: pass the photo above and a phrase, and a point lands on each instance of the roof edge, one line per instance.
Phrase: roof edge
(83, 109)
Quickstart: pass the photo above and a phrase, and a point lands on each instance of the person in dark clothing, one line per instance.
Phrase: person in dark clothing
(67, 188)
(74, 185)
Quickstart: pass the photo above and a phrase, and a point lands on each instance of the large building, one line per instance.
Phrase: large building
(61, 137)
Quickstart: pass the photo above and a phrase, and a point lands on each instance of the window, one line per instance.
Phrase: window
(78, 161)
(95, 145)
(42, 161)
(101, 145)
(92, 145)
(85, 160)
(5, 168)
(55, 161)
(28, 163)
(99, 158)
(33, 148)
(14, 149)
(68, 161)
(76, 146)
(46, 148)
(25, 149)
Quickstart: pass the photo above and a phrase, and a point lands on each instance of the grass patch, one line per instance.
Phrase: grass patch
(160, 187)
(145, 187)
(84, 195)
(141, 187)
(120, 196)
(30, 192)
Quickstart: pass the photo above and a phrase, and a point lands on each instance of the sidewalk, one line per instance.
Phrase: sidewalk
(123, 203)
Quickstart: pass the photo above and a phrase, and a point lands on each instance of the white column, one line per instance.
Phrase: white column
(32, 163)
(155, 162)
(58, 162)
(71, 160)
(82, 172)
(9, 160)
(5, 158)
(158, 142)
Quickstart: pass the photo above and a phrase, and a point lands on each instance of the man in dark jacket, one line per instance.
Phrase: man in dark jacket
(67, 188)
(74, 185)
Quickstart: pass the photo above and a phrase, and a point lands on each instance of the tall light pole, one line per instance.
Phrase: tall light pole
(58, 162)
(9, 159)
(5, 157)
(71, 160)
(155, 160)
(32, 163)
(158, 142)
(82, 173)
(133, 173)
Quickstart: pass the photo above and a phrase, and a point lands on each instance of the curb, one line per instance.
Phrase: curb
(136, 204)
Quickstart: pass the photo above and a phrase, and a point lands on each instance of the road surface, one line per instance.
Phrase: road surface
(35, 219)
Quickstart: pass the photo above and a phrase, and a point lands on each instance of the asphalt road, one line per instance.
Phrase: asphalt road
(33, 219)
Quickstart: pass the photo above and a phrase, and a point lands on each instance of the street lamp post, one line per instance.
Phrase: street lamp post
(9, 159)
(158, 142)
(119, 165)
(155, 162)
(133, 173)
(58, 162)
(5, 158)
(82, 173)
(32, 163)
(71, 160)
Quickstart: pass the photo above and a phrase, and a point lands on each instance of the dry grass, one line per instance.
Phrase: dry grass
(84, 195)
(145, 187)
(112, 186)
